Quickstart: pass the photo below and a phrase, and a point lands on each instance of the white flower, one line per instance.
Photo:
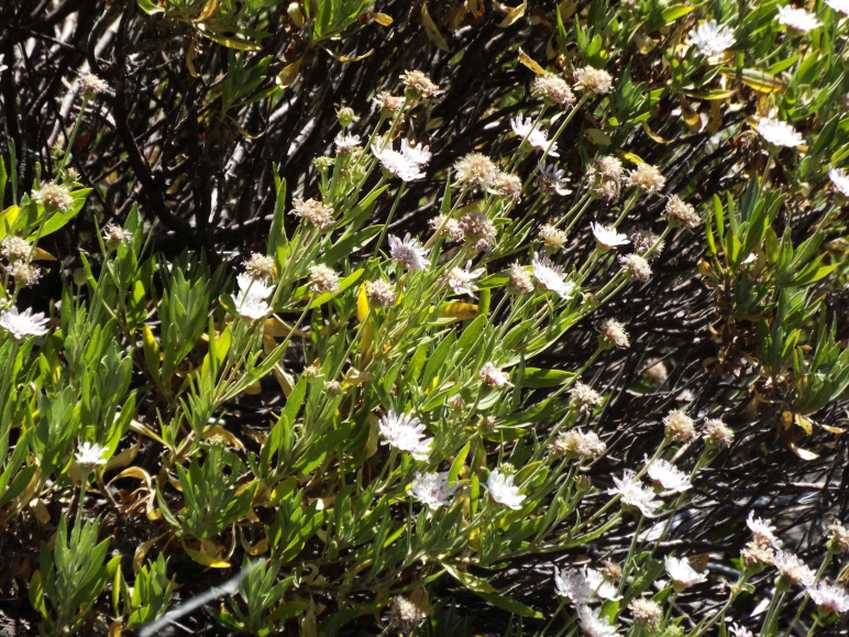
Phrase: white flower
(607, 237)
(462, 281)
(406, 163)
(432, 489)
(503, 490)
(736, 630)
(779, 133)
(839, 5)
(601, 587)
(634, 494)
(408, 252)
(406, 433)
(793, 569)
(682, 574)
(552, 278)
(762, 531)
(840, 178)
(536, 137)
(346, 142)
(797, 18)
(493, 376)
(829, 597)
(572, 584)
(711, 38)
(90, 455)
(23, 324)
(593, 625)
(251, 300)
(668, 476)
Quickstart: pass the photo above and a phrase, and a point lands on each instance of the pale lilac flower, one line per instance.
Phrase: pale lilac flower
(711, 38)
(408, 252)
(608, 237)
(462, 280)
(407, 163)
(593, 625)
(536, 137)
(779, 133)
(493, 376)
(634, 494)
(793, 569)
(840, 178)
(601, 587)
(762, 531)
(251, 299)
(432, 489)
(571, 584)
(668, 476)
(23, 324)
(405, 432)
(681, 573)
(503, 491)
(552, 278)
(829, 598)
(798, 19)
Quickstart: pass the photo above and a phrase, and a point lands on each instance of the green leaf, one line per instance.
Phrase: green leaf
(485, 590)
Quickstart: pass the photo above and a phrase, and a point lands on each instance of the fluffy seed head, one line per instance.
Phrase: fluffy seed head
(594, 80)
(584, 398)
(419, 84)
(447, 227)
(553, 238)
(388, 103)
(520, 279)
(92, 84)
(475, 170)
(646, 612)
(15, 248)
(114, 234)
(24, 273)
(323, 279)
(381, 292)
(756, 555)
(838, 536)
(614, 332)
(681, 212)
(637, 266)
(508, 185)
(405, 614)
(259, 266)
(54, 196)
(605, 177)
(718, 432)
(479, 230)
(554, 89)
(657, 372)
(678, 426)
(793, 569)
(645, 240)
(587, 446)
(647, 177)
(314, 212)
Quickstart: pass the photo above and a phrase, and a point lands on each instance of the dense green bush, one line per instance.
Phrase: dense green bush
(349, 317)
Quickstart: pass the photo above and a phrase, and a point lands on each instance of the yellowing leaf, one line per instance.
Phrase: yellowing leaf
(758, 80)
(633, 158)
(290, 73)
(804, 454)
(431, 30)
(382, 19)
(528, 61)
(804, 423)
(207, 11)
(362, 304)
(206, 559)
(459, 310)
(513, 15)
(43, 255)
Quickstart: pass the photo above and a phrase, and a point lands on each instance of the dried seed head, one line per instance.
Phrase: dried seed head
(679, 427)
(681, 212)
(479, 230)
(584, 398)
(381, 292)
(405, 614)
(647, 177)
(313, 211)
(605, 177)
(756, 554)
(24, 273)
(508, 185)
(15, 248)
(447, 227)
(420, 85)
(587, 446)
(54, 196)
(718, 432)
(611, 571)
(644, 240)
(520, 279)
(554, 89)
(113, 234)
(594, 80)
(838, 536)
(323, 279)
(553, 238)
(388, 103)
(637, 266)
(259, 266)
(346, 116)
(646, 612)
(657, 372)
(92, 85)
(614, 332)
(475, 170)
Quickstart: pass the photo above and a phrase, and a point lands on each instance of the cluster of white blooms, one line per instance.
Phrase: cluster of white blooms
(503, 490)
(406, 433)
(432, 489)
(23, 324)
(252, 297)
(407, 163)
(535, 136)
(711, 39)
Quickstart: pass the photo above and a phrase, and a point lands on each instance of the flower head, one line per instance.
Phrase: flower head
(679, 427)
(405, 614)
(681, 573)
(636, 266)
(798, 19)
(668, 476)
(793, 569)
(762, 531)
(23, 324)
(14, 248)
(462, 280)
(778, 133)
(405, 432)
(584, 445)
(92, 84)
(647, 177)
(711, 38)
(605, 177)
(553, 238)
(718, 432)
(614, 332)
(584, 587)
(346, 142)
(419, 84)
(594, 80)
(536, 137)
(607, 237)
(475, 170)
(838, 537)
(313, 211)
(323, 278)
(114, 234)
(839, 5)
(682, 213)
(584, 398)
(507, 185)
(551, 277)
(259, 266)
(840, 179)
(554, 89)
(380, 292)
(646, 612)
(90, 455)
(503, 491)
(493, 376)
(520, 279)
(593, 625)
(24, 273)
(634, 494)
(408, 252)
(829, 598)
(553, 180)
(432, 489)
(251, 300)
(54, 196)
(407, 163)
